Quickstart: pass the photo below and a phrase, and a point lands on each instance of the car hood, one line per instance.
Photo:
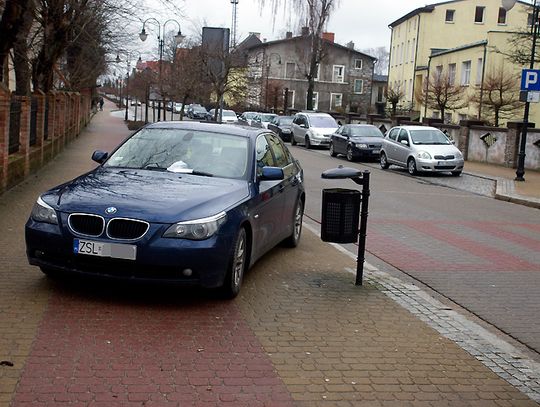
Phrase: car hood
(164, 197)
(376, 141)
(438, 149)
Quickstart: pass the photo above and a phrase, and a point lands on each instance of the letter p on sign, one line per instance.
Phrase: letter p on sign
(530, 79)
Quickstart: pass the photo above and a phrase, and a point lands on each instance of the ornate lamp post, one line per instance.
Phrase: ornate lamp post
(161, 35)
(508, 5)
(267, 68)
(128, 61)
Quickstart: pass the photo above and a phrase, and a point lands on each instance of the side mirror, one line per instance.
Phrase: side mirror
(404, 142)
(100, 156)
(303, 126)
(272, 174)
(453, 142)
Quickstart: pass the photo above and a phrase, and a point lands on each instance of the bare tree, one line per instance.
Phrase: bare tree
(498, 98)
(316, 14)
(440, 92)
(394, 94)
(382, 55)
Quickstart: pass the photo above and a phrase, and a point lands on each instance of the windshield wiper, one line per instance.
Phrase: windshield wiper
(201, 173)
(154, 167)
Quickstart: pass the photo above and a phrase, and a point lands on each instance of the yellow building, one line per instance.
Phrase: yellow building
(462, 39)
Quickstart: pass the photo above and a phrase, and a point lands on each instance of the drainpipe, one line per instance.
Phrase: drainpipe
(427, 87)
(415, 59)
(482, 83)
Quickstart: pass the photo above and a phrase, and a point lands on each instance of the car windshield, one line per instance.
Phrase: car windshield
(229, 113)
(267, 117)
(285, 120)
(322, 121)
(249, 116)
(184, 151)
(428, 136)
(366, 132)
(199, 109)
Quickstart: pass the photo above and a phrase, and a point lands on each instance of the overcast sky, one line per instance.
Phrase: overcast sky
(365, 22)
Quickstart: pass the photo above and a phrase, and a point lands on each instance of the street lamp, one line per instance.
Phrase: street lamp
(161, 35)
(267, 67)
(128, 61)
(508, 5)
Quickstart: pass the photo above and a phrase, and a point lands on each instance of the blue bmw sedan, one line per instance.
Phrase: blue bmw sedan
(183, 202)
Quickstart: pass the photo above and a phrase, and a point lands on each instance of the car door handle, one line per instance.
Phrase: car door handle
(281, 188)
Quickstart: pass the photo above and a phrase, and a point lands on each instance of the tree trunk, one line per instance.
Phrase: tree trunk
(21, 62)
(496, 117)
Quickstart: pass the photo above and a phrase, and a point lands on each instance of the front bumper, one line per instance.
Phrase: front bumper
(367, 152)
(158, 259)
(320, 141)
(439, 165)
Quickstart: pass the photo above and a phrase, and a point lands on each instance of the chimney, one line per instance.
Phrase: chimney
(288, 35)
(350, 45)
(305, 31)
(258, 35)
(328, 37)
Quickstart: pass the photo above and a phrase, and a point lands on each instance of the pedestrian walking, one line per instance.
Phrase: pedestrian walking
(101, 103)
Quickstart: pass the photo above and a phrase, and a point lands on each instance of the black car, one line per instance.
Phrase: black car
(281, 125)
(197, 112)
(356, 141)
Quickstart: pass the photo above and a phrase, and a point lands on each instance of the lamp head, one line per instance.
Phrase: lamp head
(179, 37)
(508, 4)
(143, 36)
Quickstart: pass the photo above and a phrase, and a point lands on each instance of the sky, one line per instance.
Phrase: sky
(365, 22)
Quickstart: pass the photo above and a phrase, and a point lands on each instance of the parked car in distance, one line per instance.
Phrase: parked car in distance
(281, 125)
(177, 202)
(262, 119)
(420, 149)
(169, 106)
(196, 111)
(312, 129)
(356, 141)
(135, 102)
(227, 116)
(246, 117)
(177, 107)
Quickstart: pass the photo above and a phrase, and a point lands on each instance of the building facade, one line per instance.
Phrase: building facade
(463, 39)
(277, 70)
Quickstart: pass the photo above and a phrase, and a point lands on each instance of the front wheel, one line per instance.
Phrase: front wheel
(307, 143)
(350, 155)
(293, 140)
(332, 151)
(411, 166)
(294, 238)
(237, 266)
(383, 161)
(456, 173)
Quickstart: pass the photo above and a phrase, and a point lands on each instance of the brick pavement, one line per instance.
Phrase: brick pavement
(299, 334)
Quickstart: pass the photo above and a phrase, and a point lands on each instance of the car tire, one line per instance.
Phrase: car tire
(293, 140)
(307, 143)
(294, 238)
(456, 173)
(383, 161)
(411, 166)
(237, 266)
(350, 155)
(332, 152)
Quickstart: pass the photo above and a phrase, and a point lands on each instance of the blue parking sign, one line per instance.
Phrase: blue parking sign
(530, 79)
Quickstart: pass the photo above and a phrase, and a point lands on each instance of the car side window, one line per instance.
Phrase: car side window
(344, 131)
(296, 120)
(403, 136)
(280, 156)
(264, 154)
(393, 134)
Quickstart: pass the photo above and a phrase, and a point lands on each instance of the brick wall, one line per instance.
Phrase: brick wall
(67, 114)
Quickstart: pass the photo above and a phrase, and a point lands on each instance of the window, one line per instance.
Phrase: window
(405, 88)
(290, 99)
(336, 100)
(289, 70)
(315, 100)
(280, 157)
(465, 73)
(502, 16)
(358, 64)
(358, 86)
(479, 72)
(479, 14)
(393, 134)
(403, 136)
(264, 155)
(438, 71)
(452, 74)
(338, 73)
(317, 77)
(448, 117)
(450, 16)
(413, 49)
(407, 52)
(397, 55)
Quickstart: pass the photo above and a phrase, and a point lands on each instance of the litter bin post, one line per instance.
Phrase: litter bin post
(360, 178)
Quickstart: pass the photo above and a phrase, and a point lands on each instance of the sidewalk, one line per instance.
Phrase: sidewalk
(525, 193)
(300, 334)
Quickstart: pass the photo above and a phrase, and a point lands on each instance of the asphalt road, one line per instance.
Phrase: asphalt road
(449, 234)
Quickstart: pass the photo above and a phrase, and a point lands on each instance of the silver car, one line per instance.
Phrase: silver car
(312, 129)
(420, 148)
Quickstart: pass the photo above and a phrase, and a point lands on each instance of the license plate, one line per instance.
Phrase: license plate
(376, 151)
(103, 249)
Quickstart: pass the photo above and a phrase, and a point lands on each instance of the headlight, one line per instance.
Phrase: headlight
(361, 145)
(458, 154)
(42, 212)
(198, 229)
(424, 155)
(316, 135)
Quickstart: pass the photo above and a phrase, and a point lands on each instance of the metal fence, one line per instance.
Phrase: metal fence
(33, 121)
(14, 126)
(46, 120)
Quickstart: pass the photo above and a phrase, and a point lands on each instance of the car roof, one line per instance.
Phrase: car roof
(232, 129)
(418, 127)
(315, 114)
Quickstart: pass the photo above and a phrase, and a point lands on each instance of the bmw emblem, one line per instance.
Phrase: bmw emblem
(110, 210)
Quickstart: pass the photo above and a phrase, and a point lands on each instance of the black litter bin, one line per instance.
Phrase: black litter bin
(340, 215)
